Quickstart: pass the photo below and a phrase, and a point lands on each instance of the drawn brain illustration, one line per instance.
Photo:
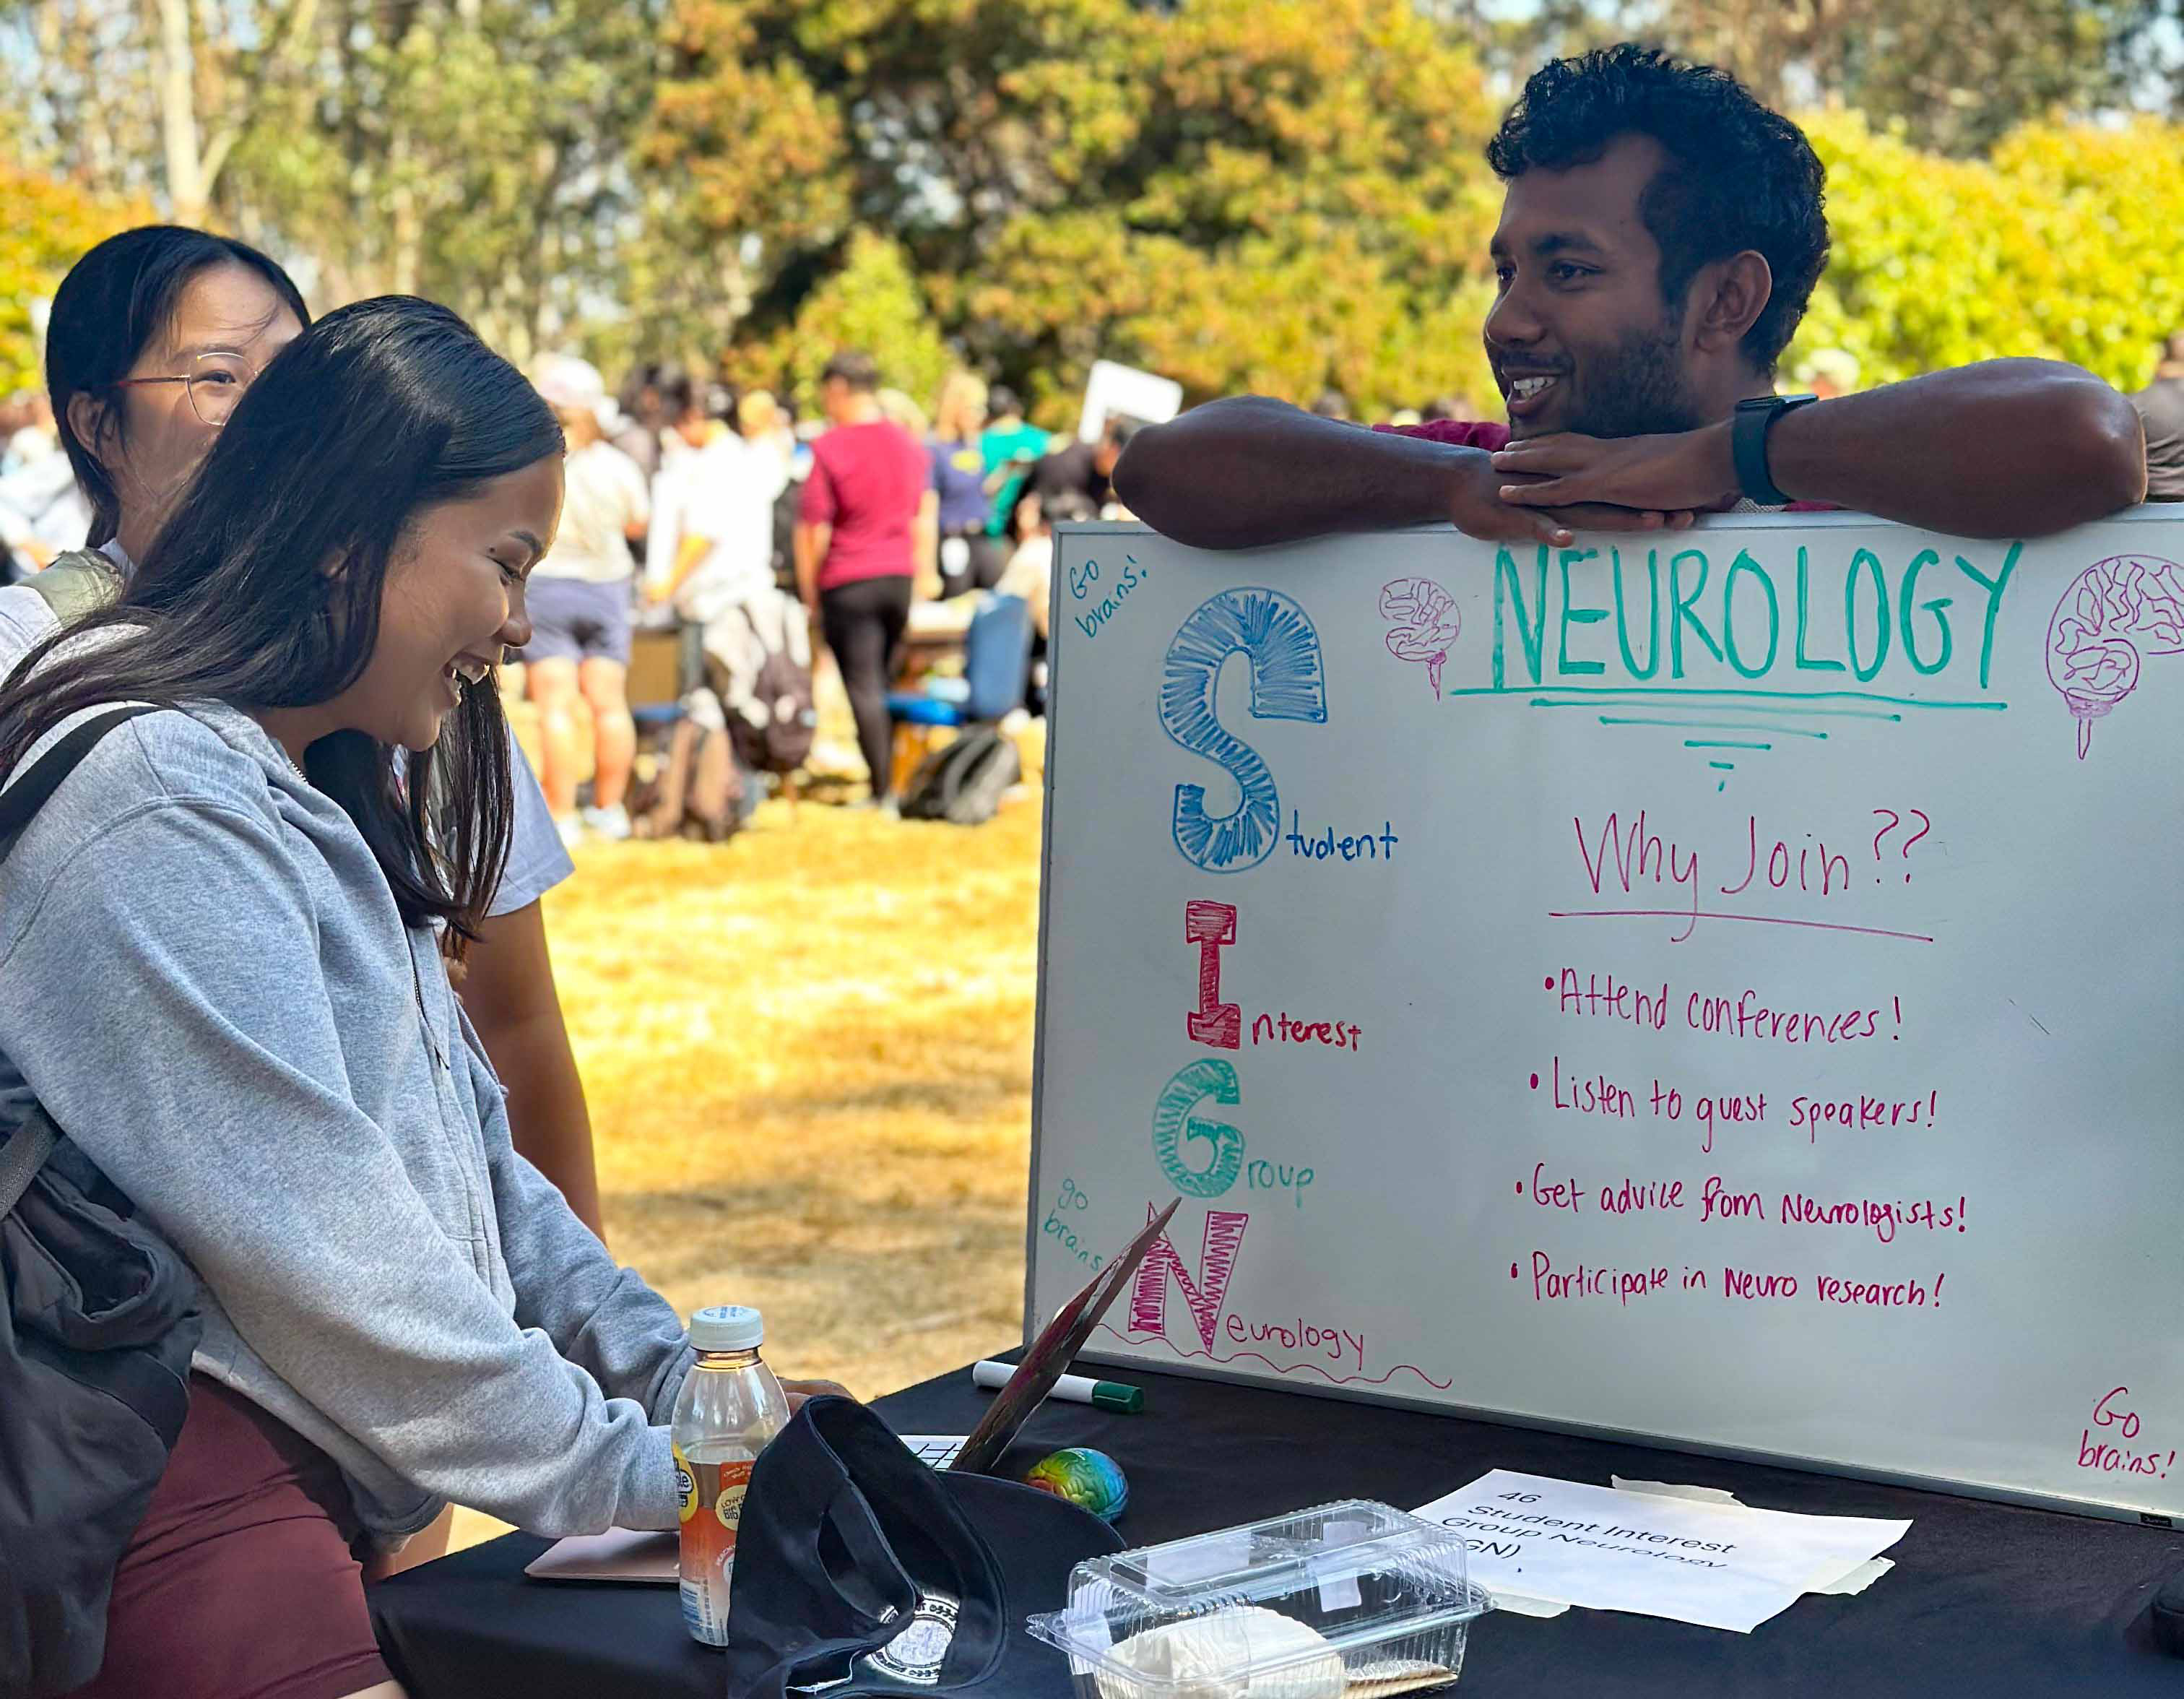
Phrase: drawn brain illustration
(1426, 623)
(2116, 612)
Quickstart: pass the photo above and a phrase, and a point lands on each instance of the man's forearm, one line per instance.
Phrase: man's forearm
(811, 541)
(2016, 448)
(1238, 473)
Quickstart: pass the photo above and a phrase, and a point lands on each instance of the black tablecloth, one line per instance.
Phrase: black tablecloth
(1986, 1600)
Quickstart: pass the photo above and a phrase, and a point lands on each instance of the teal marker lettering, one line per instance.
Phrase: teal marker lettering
(1924, 559)
(1684, 614)
(1994, 588)
(1744, 563)
(1577, 615)
(1652, 615)
(1807, 663)
(1533, 636)
(1866, 557)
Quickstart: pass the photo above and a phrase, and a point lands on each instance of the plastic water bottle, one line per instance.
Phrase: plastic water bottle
(727, 1409)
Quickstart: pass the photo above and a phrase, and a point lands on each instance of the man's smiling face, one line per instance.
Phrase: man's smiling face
(1579, 336)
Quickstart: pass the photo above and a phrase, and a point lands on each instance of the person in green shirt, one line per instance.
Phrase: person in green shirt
(1008, 445)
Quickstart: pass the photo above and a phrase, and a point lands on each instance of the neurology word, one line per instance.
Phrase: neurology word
(1752, 626)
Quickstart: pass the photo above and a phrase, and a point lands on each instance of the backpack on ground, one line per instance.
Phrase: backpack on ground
(963, 782)
(759, 663)
(697, 790)
(100, 1321)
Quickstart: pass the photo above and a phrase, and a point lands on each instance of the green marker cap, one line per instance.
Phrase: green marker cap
(1112, 1395)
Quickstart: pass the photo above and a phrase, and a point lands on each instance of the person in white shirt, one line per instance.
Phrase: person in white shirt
(711, 546)
(577, 660)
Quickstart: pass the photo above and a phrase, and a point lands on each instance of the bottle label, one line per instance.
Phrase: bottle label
(710, 1506)
(686, 1487)
(728, 1497)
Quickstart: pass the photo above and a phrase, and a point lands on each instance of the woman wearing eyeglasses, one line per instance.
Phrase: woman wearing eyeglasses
(155, 334)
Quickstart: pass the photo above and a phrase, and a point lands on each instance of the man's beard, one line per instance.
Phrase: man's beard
(1637, 388)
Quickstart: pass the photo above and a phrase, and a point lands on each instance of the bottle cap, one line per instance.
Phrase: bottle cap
(727, 1327)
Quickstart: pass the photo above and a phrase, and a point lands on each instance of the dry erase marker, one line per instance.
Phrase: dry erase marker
(1108, 1395)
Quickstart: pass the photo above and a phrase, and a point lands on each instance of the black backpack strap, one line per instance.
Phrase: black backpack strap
(20, 802)
(25, 1154)
(25, 1150)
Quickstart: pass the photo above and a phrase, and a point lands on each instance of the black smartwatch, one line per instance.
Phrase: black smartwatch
(1747, 444)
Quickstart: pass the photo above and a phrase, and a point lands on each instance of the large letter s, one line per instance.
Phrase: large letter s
(1288, 683)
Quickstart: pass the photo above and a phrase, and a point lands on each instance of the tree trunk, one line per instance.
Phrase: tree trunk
(407, 227)
(178, 114)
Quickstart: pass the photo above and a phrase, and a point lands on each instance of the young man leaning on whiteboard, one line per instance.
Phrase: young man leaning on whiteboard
(1660, 235)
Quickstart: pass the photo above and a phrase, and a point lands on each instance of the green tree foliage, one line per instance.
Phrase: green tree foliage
(1278, 195)
(1955, 78)
(474, 150)
(2064, 243)
(872, 303)
(50, 222)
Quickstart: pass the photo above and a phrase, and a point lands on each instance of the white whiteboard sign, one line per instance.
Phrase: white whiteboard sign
(1112, 389)
(1723, 989)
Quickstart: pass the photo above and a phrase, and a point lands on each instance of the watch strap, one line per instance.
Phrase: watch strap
(1748, 444)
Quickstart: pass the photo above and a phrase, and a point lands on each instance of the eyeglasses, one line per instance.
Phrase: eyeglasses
(215, 382)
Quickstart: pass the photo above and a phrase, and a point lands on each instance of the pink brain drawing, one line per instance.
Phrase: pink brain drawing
(1426, 623)
(2114, 614)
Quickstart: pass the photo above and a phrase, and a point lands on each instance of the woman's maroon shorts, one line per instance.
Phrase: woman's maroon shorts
(240, 1584)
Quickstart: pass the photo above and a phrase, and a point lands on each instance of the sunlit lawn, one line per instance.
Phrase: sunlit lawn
(808, 1057)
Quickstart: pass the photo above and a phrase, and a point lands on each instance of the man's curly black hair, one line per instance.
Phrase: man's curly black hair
(1738, 175)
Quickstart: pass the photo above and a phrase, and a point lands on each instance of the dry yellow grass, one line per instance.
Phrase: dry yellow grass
(808, 1057)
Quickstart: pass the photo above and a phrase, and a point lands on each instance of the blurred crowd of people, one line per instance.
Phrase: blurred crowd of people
(721, 513)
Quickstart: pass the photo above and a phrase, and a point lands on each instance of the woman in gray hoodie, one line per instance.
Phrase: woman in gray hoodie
(220, 970)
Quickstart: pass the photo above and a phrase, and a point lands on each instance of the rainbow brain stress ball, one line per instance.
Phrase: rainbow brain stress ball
(1091, 1480)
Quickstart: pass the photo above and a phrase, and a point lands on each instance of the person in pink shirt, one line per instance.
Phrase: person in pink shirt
(1660, 235)
(867, 508)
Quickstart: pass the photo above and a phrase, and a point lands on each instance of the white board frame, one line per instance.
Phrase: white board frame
(1056, 752)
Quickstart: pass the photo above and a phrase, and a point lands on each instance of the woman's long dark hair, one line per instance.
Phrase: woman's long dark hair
(262, 590)
(115, 300)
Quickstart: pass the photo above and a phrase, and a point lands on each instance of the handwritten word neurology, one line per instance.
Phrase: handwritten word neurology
(1797, 626)
(1336, 1343)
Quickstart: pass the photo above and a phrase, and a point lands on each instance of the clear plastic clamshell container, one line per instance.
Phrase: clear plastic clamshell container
(1349, 1600)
